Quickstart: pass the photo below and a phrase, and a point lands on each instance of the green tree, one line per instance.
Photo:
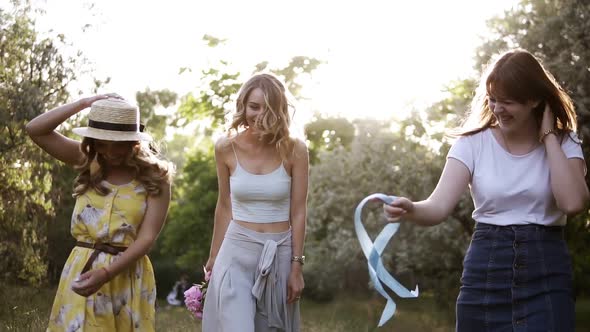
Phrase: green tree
(291, 73)
(213, 101)
(33, 78)
(219, 85)
(179, 148)
(378, 160)
(326, 134)
(59, 239)
(148, 101)
(188, 233)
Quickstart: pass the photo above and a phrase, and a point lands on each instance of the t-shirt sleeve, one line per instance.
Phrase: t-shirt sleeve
(572, 146)
(462, 150)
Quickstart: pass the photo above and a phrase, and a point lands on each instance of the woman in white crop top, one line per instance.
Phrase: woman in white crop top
(256, 252)
(520, 157)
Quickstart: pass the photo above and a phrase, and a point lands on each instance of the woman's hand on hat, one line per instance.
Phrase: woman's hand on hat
(113, 95)
(87, 102)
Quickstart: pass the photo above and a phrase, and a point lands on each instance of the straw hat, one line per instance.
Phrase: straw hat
(113, 120)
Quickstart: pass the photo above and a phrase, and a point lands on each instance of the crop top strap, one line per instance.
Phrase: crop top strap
(235, 154)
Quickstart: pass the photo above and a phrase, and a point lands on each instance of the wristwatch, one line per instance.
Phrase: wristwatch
(298, 259)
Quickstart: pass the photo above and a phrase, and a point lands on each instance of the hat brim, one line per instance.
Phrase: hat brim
(110, 135)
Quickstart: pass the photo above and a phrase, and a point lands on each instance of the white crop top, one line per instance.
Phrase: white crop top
(261, 198)
(511, 189)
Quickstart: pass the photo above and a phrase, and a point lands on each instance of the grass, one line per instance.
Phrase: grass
(24, 308)
(27, 309)
(583, 315)
(345, 314)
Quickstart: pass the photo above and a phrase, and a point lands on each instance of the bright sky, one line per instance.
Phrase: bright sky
(381, 57)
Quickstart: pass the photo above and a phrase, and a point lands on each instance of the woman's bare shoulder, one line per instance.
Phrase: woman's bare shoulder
(299, 150)
(223, 144)
(299, 146)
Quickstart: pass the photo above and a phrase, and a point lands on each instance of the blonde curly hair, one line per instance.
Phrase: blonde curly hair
(273, 124)
(149, 168)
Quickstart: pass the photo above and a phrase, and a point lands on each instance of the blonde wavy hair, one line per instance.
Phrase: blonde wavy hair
(273, 124)
(148, 167)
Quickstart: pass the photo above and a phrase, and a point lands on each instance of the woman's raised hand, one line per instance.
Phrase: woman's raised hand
(86, 102)
(547, 121)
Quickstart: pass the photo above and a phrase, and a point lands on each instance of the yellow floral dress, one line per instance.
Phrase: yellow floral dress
(127, 302)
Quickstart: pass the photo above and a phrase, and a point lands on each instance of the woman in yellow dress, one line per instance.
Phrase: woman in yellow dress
(122, 197)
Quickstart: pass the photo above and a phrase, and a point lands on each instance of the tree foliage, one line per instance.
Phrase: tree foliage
(378, 160)
(33, 78)
(148, 101)
(213, 100)
(327, 134)
(187, 235)
(291, 73)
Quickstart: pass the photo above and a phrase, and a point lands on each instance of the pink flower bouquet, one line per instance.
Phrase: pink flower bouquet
(194, 297)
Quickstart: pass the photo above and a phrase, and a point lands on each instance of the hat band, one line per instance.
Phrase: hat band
(114, 126)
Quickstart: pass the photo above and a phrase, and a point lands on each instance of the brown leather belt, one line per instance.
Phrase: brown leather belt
(98, 248)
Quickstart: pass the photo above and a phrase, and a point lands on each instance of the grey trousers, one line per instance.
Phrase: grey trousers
(248, 287)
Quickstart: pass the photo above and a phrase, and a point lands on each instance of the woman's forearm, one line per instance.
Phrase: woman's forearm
(135, 251)
(220, 224)
(297, 241)
(567, 184)
(298, 235)
(426, 213)
(47, 122)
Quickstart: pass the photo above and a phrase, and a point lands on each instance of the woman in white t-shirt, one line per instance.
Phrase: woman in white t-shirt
(522, 161)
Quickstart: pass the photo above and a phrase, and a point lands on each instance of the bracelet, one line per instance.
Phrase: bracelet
(550, 131)
(107, 272)
(298, 259)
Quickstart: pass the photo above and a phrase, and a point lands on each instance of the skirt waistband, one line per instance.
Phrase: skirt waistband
(521, 232)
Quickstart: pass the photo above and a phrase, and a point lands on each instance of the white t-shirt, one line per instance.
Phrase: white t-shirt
(508, 189)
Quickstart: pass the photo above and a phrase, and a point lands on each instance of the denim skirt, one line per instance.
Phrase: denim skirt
(516, 278)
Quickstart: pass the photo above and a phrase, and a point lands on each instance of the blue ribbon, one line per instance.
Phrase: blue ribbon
(373, 252)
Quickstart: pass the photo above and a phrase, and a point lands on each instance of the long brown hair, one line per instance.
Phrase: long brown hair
(148, 167)
(273, 124)
(518, 75)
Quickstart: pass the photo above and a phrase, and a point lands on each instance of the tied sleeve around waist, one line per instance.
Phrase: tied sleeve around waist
(270, 297)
